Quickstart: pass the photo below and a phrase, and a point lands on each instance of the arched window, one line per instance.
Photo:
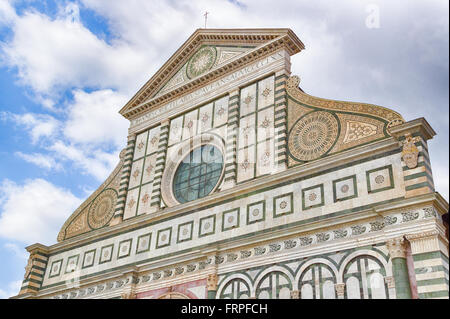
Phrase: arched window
(274, 285)
(317, 282)
(235, 289)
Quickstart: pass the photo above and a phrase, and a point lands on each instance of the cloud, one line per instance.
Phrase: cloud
(94, 118)
(12, 289)
(34, 211)
(41, 160)
(38, 125)
(90, 160)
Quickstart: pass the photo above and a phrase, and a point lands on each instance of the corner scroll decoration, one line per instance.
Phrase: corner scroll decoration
(393, 118)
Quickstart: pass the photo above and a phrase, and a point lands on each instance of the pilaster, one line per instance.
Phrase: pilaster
(155, 201)
(280, 122)
(430, 255)
(124, 180)
(417, 174)
(397, 252)
(35, 270)
(231, 147)
(340, 290)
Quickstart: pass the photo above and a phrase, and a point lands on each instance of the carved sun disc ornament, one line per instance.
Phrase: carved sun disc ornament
(313, 135)
(102, 209)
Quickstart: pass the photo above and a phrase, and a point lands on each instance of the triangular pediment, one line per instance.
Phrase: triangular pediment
(207, 54)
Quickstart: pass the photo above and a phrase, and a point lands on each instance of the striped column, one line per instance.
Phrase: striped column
(231, 147)
(418, 177)
(155, 201)
(280, 124)
(124, 180)
(397, 252)
(430, 255)
(35, 269)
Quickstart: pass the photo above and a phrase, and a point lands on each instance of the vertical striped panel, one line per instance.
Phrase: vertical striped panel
(419, 180)
(155, 200)
(280, 121)
(33, 281)
(231, 143)
(124, 179)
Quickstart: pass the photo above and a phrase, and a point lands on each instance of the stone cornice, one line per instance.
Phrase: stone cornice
(269, 40)
(419, 125)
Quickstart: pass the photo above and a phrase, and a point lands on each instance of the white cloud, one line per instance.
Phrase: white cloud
(94, 118)
(7, 12)
(54, 54)
(38, 125)
(34, 211)
(12, 289)
(90, 160)
(41, 160)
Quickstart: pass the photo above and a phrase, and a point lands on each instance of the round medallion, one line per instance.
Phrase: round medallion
(379, 179)
(345, 188)
(313, 135)
(201, 62)
(102, 209)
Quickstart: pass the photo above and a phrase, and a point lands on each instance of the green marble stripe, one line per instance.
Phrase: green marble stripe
(37, 275)
(280, 147)
(428, 282)
(229, 179)
(279, 98)
(282, 76)
(233, 119)
(282, 118)
(427, 166)
(280, 125)
(280, 84)
(417, 175)
(44, 261)
(233, 97)
(122, 189)
(280, 104)
(118, 210)
(126, 166)
(39, 268)
(231, 123)
(281, 112)
(37, 282)
(283, 90)
(420, 185)
(32, 288)
(434, 294)
(427, 255)
(233, 104)
(121, 201)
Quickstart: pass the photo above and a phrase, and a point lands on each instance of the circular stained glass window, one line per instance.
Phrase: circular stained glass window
(198, 173)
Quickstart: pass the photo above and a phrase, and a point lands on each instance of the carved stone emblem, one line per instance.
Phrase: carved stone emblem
(410, 152)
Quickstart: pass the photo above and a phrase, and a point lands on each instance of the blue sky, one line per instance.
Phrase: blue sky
(67, 67)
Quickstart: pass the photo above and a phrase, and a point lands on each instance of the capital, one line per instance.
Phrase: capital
(396, 247)
(295, 294)
(211, 282)
(340, 289)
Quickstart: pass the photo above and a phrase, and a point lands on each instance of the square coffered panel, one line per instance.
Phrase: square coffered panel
(313, 197)
(380, 179)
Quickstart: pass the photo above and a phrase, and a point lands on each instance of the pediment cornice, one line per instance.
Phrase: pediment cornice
(266, 41)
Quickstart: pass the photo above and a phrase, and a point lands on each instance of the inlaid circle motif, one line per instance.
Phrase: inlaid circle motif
(313, 135)
(201, 62)
(102, 209)
(379, 179)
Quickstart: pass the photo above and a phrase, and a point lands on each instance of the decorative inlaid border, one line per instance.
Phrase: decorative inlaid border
(149, 235)
(391, 179)
(213, 230)
(157, 237)
(101, 261)
(51, 268)
(84, 258)
(191, 232)
(291, 199)
(130, 240)
(263, 202)
(355, 188)
(76, 257)
(238, 216)
(322, 196)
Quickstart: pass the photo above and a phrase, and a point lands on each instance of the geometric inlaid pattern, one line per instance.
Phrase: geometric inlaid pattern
(72, 263)
(163, 237)
(106, 253)
(55, 270)
(312, 197)
(230, 219)
(256, 212)
(345, 188)
(379, 179)
(207, 226)
(283, 205)
(88, 258)
(185, 232)
(143, 243)
(124, 248)
(313, 135)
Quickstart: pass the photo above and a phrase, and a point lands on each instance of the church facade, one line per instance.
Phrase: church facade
(237, 184)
